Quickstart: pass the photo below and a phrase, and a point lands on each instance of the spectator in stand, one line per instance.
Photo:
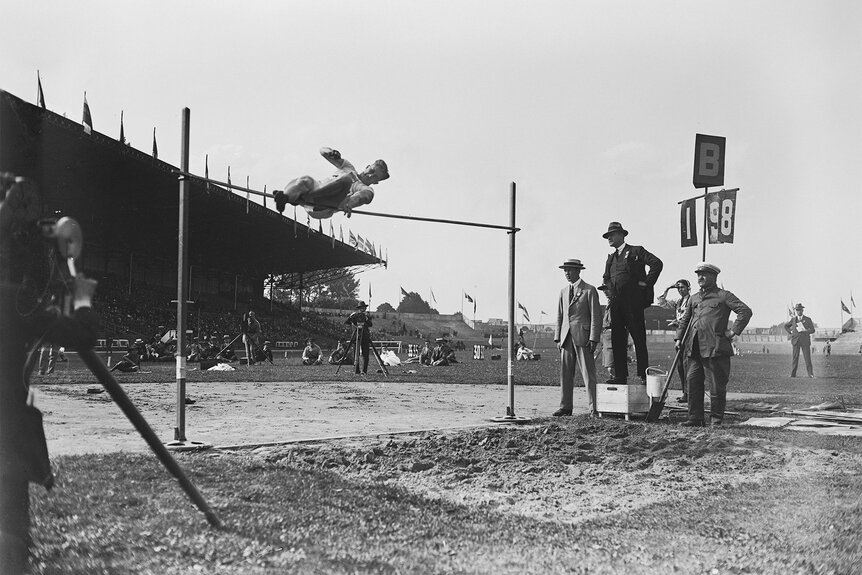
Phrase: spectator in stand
(226, 353)
(312, 354)
(250, 335)
(337, 354)
(131, 361)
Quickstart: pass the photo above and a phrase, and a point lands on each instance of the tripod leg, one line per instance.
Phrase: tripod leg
(379, 360)
(358, 351)
(344, 356)
(125, 404)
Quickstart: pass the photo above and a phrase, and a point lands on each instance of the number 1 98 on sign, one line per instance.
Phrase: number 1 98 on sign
(721, 207)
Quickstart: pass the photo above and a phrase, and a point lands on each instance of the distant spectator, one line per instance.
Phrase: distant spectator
(48, 355)
(312, 354)
(442, 354)
(226, 353)
(131, 361)
(337, 354)
(250, 335)
(524, 353)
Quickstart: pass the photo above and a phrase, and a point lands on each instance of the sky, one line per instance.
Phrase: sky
(590, 107)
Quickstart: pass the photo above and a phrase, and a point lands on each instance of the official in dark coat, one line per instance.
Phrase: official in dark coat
(707, 345)
(800, 328)
(630, 289)
(361, 321)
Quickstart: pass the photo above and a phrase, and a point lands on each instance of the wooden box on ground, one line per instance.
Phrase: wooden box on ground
(625, 399)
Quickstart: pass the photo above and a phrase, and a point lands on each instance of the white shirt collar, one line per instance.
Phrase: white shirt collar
(622, 248)
(577, 283)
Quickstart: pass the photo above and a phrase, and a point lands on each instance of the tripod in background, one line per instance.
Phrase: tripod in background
(356, 345)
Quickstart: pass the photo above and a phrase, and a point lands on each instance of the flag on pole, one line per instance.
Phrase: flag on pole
(404, 293)
(294, 221)
(207, 171)
(264, 195)
(432, 295)
(155, 147)
(40, 95)
(230, 189)
(526, 313)
(352, 238)
(852, 303)
(369, 293)
(307, 225)
(386, 259)
(122, 131)
(844, 307)
(340, 233)
(469, 299)
(88, 119)
(332, 232)
(247, 196)
(491, 340)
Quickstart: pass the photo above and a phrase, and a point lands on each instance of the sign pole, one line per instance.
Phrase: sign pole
(705, 222)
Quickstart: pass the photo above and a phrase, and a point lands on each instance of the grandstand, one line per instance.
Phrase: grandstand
(127, 202)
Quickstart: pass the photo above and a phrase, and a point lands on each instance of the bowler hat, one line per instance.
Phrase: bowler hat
(799, 306)
(707, 268)
(570, 263)
(361, 304)
(615, 227)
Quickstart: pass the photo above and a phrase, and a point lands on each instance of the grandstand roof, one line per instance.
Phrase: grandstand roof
(128, 201)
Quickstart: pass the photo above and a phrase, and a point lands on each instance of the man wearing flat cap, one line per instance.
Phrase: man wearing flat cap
(800, 327)
(705, 339)
(630, 291)
(579, 326)
(678, 306)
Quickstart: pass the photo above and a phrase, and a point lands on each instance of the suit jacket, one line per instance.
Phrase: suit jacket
(708, 311)
(799, 330)
(637, 258)
(580, 315)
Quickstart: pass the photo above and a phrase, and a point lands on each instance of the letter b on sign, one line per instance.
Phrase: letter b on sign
(708, 161)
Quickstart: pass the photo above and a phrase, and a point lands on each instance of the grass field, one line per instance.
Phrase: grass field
(558, 496)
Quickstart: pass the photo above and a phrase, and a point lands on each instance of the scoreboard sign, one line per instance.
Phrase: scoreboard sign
(721, 216)
(708, 161)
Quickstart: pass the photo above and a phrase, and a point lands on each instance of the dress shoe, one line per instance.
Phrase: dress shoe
(683, 399)
(691, 423)
(811, 375)
(561, 412)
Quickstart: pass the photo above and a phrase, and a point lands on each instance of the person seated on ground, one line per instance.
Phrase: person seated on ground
(442, 354)
(424, 356)
(131, 361)
(389, 358)
(226, 354)
(312, 354)
(264, 353)
(524, 353)
(338, 353)
(345, 190)
(194, 351)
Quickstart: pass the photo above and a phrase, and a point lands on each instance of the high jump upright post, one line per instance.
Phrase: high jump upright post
(510, 416)
(180, 442)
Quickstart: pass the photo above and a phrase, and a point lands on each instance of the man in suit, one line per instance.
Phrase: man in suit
(707, 345)
(800, 327)
(630, 290)
(579, 326)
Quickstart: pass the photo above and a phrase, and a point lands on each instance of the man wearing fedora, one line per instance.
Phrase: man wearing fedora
(800, 327)
(630, 291)
(678, 306)
(706, 344)
(360, 320)
(579, 326)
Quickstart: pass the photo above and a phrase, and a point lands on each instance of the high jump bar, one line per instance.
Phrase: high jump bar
(510, 229)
